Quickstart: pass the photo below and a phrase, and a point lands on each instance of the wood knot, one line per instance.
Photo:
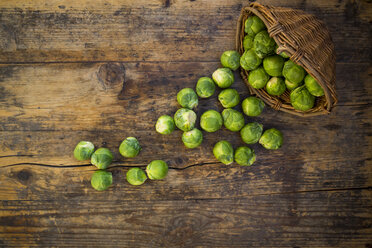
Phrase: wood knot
(24, 176)
(111, 74)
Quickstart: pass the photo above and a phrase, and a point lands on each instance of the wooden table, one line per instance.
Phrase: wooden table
(104, 70)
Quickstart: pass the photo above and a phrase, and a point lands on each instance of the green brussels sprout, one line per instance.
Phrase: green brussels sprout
(224, 152)
(294, 73)
(83, 150)
(244, 156)
(101, 180)
(301, 99)
(258, 78)
(230, 59)
(187, 98)
(263, 44)
(205, 87)
(282, 54)
(193, 138)
(251, 132)
(247, 42)
(157, 169)
(229, 98)
(271, 139)
(136, 176)
(273, 65)
(253, 106)
(130, 147)
(211, 121)
(275, 86)
(291, 86)
(313, 87)
(185, 119)
(233, 120)
(223, 77)
(165, 124)
(249, 60)
(253, 25)
(102, 158)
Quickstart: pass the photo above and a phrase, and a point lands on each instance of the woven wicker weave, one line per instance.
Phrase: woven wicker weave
(307, 41)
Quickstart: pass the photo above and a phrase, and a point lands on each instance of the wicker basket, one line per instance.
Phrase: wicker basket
(308, 43)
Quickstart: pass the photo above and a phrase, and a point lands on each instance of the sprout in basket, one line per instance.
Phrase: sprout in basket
(223, 77)
(157, 169)
(187, 98)
(263, 44)
(193, 138)
(205, 87)
(165, 125)
(185, 119)
(230, 59)
(291, 86)
(130, 147)
(244, 156)
(301, 99)
(253, 106)
(83, 150)
(102, 158)
(229, 98)
(211, 121)
(224, 152)
(312, 86)
(253, 25)
(258, 78)
(247, 42)
(233, 120)
(282, 54)
(271, 139)
(251, 132)
(136, 176)
(275, 86)
(273, 65)
(249, 60)
(101, 180)
(293, 72)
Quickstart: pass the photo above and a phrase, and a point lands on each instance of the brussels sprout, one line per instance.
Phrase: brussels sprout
(282, 54)
(247, 42)
(185, 119)
(249, 60)
(232, 119)
(271, 139)
(258, 78)
(230, 59)
(294, 73)
(263, 44)
(275, 86)
(102, 158)
(157, 169)
(291, 86)
(251, 132)
(244, 156)
(101, 180)
(313, 87)
(211, 121)
(205, 87)
(187, 98)
(224, 152)
(253, 25)
(193, 138)
(130, 147)
(273, 65)
(165, 124)
(229, 98)
(136, 176)
(83, 150)
(223, 77)
(301, 99)
(253, 106)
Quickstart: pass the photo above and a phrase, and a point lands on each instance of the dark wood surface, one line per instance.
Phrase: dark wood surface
(105, 70)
